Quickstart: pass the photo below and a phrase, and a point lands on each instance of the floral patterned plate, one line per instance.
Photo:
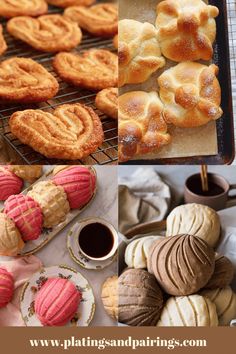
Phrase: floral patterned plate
(78, 257)
(86, 308)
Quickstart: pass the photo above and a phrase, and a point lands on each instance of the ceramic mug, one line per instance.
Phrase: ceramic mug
(113, 233)
(217, 201)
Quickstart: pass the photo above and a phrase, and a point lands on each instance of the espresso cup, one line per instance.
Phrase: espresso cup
(96, 235)
(217, 201)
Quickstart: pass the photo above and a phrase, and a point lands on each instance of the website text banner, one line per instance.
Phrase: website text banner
(119, 340)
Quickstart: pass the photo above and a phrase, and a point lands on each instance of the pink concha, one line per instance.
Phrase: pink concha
(9, 184)
(79, 184)
(57, 302)
(26, 214)
(6, 287)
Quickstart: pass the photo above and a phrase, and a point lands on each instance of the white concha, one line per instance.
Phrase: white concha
(137, 251)
(188, 311)
(194, 219)
(225, 301)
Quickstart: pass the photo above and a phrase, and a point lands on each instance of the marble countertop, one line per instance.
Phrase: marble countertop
(105, 205)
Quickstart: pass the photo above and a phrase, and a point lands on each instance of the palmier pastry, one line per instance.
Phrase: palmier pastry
(66, 3)
(48, 33)
(25, 81)
(194, 219)
(3, 45)
(13, 8)
(139, 52)
(52, 201)
(142, 128)
(191, 94)
(107, 102)
(72, 132)
(11, 242)
(186, 29)
(182, 264)
(99, 20)
(188, 311)
(95, 69)
(27, 173)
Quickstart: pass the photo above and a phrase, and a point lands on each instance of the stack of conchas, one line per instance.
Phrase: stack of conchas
(45, 205)
(57, 302)
(6, 287)
(186, 270)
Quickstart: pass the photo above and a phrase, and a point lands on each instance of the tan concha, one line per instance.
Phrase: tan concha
(27, 173)
(182, 264)
(194, 219)
(139, 52)
(188, 311)
(11, 242)
(53, 202)
(109, 296)
(225, 301)
(223, 273)
(137, 251)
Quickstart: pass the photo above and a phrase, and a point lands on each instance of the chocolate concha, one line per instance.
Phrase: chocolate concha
(6, 287)
(223, 273)
(140, 298)
(225, 301)
(52, 201)
(56, 302)
(109, 296)
(11, 242)
(137, 251)
(182, 264)
(194, 219)
(188, 311)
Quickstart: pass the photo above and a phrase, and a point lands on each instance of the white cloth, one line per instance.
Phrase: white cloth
(143, 196)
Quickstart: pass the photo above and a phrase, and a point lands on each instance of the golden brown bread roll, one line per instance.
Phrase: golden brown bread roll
(3, 45)
(139, 52)
(182, 264)
(188, 311)
(48, 33)
(15, 8)
(27, 173)
(191, 94)
(186, 29)
(142, 128)
(99, 20)
(109, 296)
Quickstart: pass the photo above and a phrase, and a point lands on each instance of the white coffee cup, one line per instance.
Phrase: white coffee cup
(110, 227)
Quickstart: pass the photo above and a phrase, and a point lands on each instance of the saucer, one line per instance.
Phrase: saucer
(78, 257)
(86, 308)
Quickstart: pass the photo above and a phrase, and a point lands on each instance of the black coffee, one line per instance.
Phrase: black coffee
(195, 186)
(96, 240)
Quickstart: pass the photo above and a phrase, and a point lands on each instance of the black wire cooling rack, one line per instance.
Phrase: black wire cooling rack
(107, 153)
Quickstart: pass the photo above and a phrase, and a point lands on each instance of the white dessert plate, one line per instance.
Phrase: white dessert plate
(86, 309)
(78, 257)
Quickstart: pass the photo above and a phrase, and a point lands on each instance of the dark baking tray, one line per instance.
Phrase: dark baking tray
(225, 125)
(107, 152)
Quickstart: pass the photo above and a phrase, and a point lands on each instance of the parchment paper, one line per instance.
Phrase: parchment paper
(186, 142)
